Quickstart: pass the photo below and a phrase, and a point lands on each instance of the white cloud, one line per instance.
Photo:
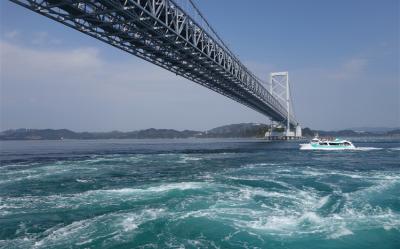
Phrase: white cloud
(350, 69)
(20, 63)
(82, 90)
(12, 34)
(345, 95)
(42, 38)
(23, 63)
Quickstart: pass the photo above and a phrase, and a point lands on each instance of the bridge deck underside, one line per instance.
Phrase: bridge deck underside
(160, 32)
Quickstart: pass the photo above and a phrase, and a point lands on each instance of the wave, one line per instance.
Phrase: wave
(366, 148)
(340, 232)
(82, 180)
(114, 228)
(291, 223)
(254, 165)
(117, 227)
(287, 213)
(186, 158)
(160, 188)
(282, 201)
(284, 223)
(295, 212)
(99, 199)
(33, 174)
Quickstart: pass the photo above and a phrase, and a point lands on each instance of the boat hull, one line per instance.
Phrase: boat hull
(325, 147)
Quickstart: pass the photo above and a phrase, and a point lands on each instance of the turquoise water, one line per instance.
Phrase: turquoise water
(198, 194)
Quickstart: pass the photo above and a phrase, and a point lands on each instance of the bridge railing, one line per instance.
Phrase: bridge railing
(186, 27)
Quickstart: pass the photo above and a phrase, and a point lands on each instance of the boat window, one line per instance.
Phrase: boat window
(347, 143)
(323, 143)
(333, 144)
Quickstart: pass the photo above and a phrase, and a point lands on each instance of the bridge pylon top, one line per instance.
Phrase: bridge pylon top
(280, 89)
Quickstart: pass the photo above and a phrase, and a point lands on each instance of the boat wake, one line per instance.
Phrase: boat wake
(367, 148)
(309, 147)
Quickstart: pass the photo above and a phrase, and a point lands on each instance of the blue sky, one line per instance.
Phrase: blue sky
(342, 57)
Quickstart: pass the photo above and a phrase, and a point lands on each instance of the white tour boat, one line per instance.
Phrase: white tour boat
(324, 144)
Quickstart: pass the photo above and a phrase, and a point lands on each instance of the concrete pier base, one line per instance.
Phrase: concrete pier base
(282, 138)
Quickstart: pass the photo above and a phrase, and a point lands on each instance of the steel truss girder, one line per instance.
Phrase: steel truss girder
(160, 32)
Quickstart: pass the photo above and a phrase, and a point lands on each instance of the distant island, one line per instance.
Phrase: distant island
(243, 130)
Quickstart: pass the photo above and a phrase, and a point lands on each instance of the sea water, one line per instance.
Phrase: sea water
(198, 193)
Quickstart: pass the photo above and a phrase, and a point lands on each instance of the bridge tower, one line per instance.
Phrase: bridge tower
(280, 89)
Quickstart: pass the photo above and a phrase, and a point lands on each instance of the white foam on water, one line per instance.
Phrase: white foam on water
(340, 232)
(247, 194)
(292, 199)
(13, 205)
(207, 176)
(186, 158)
(100, 197)
(152, 189)
(285, 213)
(366, 148)
(323, 201)
(299, 224)
(194, 242)
(359, 213)
(179, 186)
(65, 233)
(338, 173)
(261, 178)
(355, 175)
(230, 235)
(284, 224)
(391, 177)
(20, 242)
(312, 173)
(392, 222)
(161, 188)
(273, 194)
(379, 183)
(311, 217)
(82, 180)
(31, 175)
(129, 224)
(279, 223)
(254, 165)
(295, 212)
(114, 158)
(290, 212)
(84, 242)
(114, 226)
(306, 147)
(397, 148)
(132, 221)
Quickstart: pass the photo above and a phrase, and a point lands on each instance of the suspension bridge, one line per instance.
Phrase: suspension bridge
(175, 36)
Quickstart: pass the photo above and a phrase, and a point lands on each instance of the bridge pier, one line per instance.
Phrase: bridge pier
(280, 132)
